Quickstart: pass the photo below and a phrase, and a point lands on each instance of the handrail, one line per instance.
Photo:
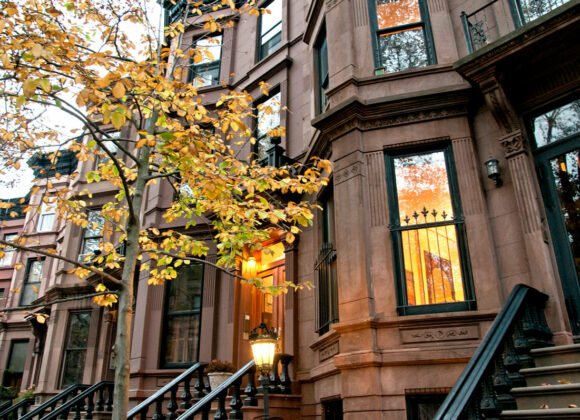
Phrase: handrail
(13, 409)
(519, 327)
(5, 405)
(52, 402)
(220, 391)
(80, 398)
(173, 385)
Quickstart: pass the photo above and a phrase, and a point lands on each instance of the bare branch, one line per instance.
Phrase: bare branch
(68, 299)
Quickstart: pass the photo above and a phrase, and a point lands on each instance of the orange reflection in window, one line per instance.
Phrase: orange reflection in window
(391, 13)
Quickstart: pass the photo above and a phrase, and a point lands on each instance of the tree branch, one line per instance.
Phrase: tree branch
(69, 299)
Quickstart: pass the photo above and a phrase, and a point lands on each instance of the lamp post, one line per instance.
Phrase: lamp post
(263, 342)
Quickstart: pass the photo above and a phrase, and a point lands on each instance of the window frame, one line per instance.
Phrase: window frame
(8, 374)
(47, 211)
(8, 259)
(191, 75)
(85, 238)
(322, 80)
(28, 284)
(164, 364)
(424, 24)
(259, 44)
(395, 229)
(275, 91)
(67, 347)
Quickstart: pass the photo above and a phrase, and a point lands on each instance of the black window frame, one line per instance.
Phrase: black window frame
(322, 70)
(424, 24)
(67, 349)
(325, 266)
(28, 285)
(261, 52)
(164, 364)
(212, 65)
(395, 228)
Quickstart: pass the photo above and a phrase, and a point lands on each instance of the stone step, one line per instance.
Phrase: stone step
(550, 413)
(548, 396)
(557, 355)
(552, 375)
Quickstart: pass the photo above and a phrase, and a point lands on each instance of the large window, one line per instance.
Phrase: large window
(8, 257)
(31, 281)
(327, 302)
(268, 121)
(428, 233)
(402, 34)
(108, 142)
(75, 352)
(322, 70)
(15, 367)
(183, 317)
(92, 235)
(46, 217)
(270, 29)
(205, 69)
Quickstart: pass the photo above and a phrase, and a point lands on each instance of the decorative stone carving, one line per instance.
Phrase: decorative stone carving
(465, 332)
(513, 144)
(347, 173)
(331, 3)
(499, 105)
(327, 352)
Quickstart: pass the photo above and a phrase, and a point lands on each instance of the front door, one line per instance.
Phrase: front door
(557, 159)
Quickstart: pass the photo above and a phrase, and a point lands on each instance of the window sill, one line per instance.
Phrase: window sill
(469, 305)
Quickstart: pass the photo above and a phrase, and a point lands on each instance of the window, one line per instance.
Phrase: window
(93, 234)
(322, 67)
(332, 409)
(2, 298)
(31, 282)
(205, 70)
(423, 406)
(183, 317)
(268, 121)
(73, 365)
(557, 124)
(9, 251)
(403, 37)
(110, 145)
(46, 217)
(270, 29)
(327, 289)
(15, 367)
(430, 251)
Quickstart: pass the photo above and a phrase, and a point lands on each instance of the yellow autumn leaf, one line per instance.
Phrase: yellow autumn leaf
(119, 90)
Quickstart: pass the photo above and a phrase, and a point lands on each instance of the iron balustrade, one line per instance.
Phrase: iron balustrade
(17, 410)
(482, 26)
(279, 384)
(85, 402)
(51, 404)
(183, 383)
(483, 389)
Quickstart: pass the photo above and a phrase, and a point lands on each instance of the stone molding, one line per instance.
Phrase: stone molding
(331, 3)
(513, 144)
(426, 335)
(377, 188)
(347, 173)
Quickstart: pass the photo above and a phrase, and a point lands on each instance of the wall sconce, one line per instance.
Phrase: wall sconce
(251, 267)
(492, 167)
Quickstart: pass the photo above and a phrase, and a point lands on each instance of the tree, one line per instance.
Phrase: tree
(76, 57)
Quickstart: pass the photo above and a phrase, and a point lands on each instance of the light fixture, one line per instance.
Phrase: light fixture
(263, 345)
(492, 167)
(251, 267)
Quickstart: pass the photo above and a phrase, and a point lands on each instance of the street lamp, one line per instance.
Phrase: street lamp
(264, 347)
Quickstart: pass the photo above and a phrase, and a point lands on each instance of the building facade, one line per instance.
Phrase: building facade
(453, 129)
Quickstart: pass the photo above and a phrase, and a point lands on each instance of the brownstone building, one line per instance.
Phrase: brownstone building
(453, 128)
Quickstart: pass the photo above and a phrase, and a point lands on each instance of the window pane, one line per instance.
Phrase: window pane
(432, 266)
(76, 348)
(18, 353)
(270, 19)
(6, 260)
(423, 189)
(74, 367)
(90, 246)
(269, 115)
(391, 13)
(182, 339)
(96, 223)
(557, 124)
(533, 9)
(31, 283)
(403, 50)
(46, 218)
(211, 48)
(185, 290)
(79, 330)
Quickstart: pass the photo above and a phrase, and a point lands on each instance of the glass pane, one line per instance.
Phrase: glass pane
(533, 9)
(269, 115)
(73, 368)
(182, 338)
(391, 13)
(35, 272)
(206, 74)
(185, 290)
(9, 251)
(89, 246)
(46, 222)
(271, 18)
(557, 124)
(211, 49)
(18, 353)
(79, 330)
(29, 294)
(96, 223)
(565, 172)
(432, 266)
(403, 50)
(423, 189)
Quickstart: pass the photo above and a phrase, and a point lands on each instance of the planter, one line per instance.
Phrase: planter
(217, 378)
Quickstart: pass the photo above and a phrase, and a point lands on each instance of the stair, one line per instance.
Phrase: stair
(553, 386)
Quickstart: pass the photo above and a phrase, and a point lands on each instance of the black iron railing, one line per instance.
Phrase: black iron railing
(17, 410)
(51, 404)
(481, 27)
(280, 383)
(327, 302)
(182, 385)
(483, 389)
(96, 398)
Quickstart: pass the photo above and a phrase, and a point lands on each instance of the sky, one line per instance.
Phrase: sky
(18, 183)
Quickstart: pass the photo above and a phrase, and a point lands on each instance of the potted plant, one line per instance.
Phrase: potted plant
(218, 371)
